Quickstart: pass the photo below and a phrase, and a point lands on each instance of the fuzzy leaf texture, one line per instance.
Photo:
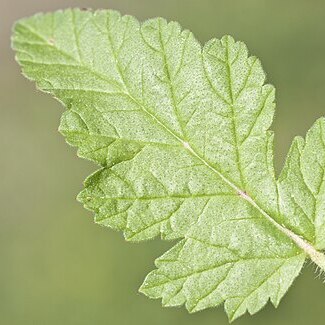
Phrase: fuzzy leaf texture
(181, 133)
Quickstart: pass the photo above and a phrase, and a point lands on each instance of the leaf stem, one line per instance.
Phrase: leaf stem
(317, 257)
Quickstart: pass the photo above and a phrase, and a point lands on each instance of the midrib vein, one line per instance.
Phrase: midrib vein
(317, 257)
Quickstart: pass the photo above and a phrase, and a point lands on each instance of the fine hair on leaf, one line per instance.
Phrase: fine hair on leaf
(181, 134)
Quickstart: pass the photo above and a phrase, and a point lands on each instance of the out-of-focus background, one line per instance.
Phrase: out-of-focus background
(56, 265)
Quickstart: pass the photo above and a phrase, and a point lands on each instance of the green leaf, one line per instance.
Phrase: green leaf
(181, 135)
(301, 186)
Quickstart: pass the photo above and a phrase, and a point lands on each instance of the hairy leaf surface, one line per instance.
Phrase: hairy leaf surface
(181, 134)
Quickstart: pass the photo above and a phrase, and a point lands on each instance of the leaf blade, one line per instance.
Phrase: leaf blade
(180, 131)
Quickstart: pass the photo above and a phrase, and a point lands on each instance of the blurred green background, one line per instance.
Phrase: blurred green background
(57, 266)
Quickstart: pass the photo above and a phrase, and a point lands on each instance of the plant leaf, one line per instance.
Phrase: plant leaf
(301, 185)
(181, 135)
